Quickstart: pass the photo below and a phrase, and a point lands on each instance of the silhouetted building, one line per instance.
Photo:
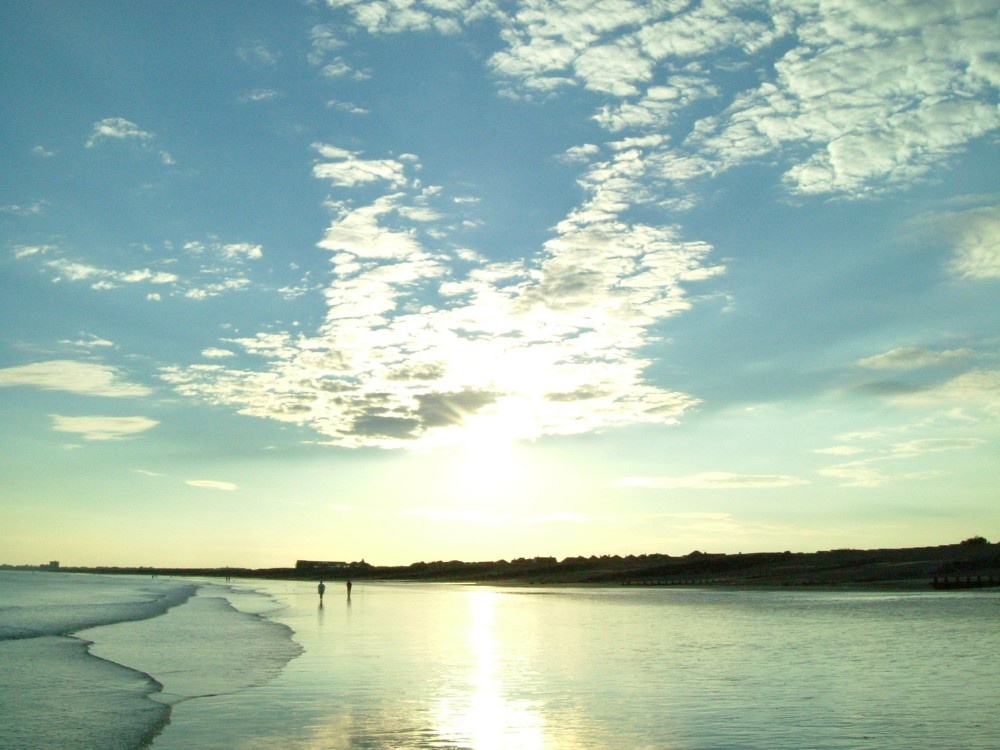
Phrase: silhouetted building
(318, 566)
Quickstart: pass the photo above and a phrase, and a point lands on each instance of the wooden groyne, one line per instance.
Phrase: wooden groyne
(964, 582)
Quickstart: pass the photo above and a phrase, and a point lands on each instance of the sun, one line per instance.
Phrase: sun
(487, 463)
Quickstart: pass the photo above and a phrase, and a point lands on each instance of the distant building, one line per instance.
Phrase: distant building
(53, 565)
(318, 566)
(328, 567)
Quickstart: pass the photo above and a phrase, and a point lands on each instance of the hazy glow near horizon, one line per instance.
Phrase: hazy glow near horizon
(479, 280)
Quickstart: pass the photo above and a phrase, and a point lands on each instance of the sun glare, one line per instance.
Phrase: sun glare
(488, 462)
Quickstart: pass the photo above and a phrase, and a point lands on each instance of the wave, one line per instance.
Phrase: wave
(109, 655)
(82, 602)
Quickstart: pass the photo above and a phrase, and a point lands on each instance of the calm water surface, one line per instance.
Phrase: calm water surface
(444, 666)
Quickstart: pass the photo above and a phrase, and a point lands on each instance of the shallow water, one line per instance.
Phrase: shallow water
(438, 666)
(53, 692)
(79, 654)
(260, 665)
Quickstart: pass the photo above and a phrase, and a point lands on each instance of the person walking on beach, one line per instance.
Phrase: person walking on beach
(321, 589)
(348, 589)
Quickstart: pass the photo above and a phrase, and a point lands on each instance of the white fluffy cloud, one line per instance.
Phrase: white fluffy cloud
(344, 169)
(421, 339)
(548, 346)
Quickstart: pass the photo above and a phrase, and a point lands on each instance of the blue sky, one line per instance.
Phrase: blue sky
(405, 280)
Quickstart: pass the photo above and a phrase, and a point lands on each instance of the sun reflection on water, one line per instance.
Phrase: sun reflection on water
(484, 714)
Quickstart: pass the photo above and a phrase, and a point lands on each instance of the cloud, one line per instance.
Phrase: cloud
(239, 250)
(214, 352)
(84, 378)
(977, 248)
(207, 269)
(422, 338)
(345, 169)
(117, 128)
(211, 484)
(42, 152)
(89, 342)
(257, 53)
(340, 68)
(864, 474)
(27, 251)
(935, 445)
(546, 347)
(714, 480)
(260, 95)
(102, 428)
(120, 129)
(442, 16)
(870, 472)
(878, 96)
(17, 209)
(976, 389)
(104, 278)
(840, 450)
(910, 358)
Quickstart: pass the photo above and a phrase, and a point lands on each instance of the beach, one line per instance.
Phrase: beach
(260, 664)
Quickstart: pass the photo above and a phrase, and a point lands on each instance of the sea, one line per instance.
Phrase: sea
(91, 661)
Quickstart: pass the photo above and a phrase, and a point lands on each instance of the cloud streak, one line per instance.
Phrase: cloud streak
(212, 484)
(713, 480)
(84, 378)
(100, 428)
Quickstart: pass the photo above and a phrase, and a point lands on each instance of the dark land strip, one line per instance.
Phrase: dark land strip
(974, 563)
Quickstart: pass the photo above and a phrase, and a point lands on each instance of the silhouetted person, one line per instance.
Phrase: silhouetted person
(348, 589)
(321, 589)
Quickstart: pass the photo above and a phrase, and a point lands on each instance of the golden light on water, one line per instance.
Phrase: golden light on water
(485, 714)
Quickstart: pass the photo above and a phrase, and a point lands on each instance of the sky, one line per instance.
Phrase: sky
(404, 280)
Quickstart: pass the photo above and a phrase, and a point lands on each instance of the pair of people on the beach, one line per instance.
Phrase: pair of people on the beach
(322, 589)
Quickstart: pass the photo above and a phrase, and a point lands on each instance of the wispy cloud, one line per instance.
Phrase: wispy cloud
(23, 209)
(120, 129)
(117, 128)
(713, 480)
(258, 53)
(100, 428)
(977, 389)
(207, 269)
(260, 95)
(211, 484)
(977, 247)
(910, 358)
(85, 378)
(881, 469)
(105, 278)
(89, 341)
